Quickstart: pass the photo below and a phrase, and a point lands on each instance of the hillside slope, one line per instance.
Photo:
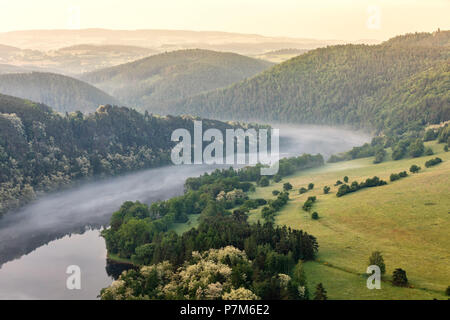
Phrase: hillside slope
(41, 150)
(62, 93)
(356, 85)
(153, 82)
(407, 220)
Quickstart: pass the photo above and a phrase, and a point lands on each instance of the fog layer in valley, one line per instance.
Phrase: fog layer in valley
(28, 235)
(91, 204)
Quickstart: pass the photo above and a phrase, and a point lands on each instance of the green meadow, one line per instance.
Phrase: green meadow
(407, 220)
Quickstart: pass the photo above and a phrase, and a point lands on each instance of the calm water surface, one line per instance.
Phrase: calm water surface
(40, 241)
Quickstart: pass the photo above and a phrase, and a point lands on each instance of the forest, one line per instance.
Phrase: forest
(156, 81)
(41, 150)
(397, 86)
(230, 257)
(62, 93)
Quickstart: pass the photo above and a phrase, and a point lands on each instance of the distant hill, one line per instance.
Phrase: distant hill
(402, 82)
(73, 60)
(161, 40)
(4, 49)
(281, 55)
(60, 92)
(83, 58)
(153, 82)
(7, 68)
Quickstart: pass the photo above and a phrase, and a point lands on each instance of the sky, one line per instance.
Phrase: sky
(320, 19)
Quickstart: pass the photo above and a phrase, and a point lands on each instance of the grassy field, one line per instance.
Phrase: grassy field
(407, 220)
(181, 228)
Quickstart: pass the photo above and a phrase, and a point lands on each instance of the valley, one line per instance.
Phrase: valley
(61, 221)
(112, 145)
(407, 220)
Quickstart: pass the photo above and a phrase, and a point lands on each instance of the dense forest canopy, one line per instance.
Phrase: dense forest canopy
(62, 93)
(402, 82)
(41, 150)
(152, 82)
(251, 260)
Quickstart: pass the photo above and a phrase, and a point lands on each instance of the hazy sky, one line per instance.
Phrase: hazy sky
(324, 19)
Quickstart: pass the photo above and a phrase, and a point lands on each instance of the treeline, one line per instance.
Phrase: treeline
(209, 195)
(355, 186)
(41, 150)
(258, 265)
(246, 175)
(409, 144)
(397, 86)
(268, 212)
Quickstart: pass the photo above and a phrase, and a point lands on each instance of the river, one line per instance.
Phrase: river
(39, 242)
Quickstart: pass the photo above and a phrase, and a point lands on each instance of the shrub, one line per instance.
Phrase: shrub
(416, 149)
(399, 278)
(379, 155)
(429, 151)
(377, 259)
(429, 135)
(326, 189)
(260, 202)
(277, 178)
(307, 205)
(446, 148)
(287, 186)
(433, 162)
(264, 181)
(397, 176)
(345, 179)
(343, 189)
(321, 293)
(302, 190)
(447, 291)
(310, 186)
(394, 177)
(275, 192)
(315, 215)
(312, 198)
(339, 182)
(414, 168)
(370, 182)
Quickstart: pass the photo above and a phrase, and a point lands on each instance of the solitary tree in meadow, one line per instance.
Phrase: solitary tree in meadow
(321, 293)
(377, 259)
(399, 278)
(287, 186)
(414, 168)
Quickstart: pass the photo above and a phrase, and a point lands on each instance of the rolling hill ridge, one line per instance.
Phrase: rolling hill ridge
(152, 83)
(64, 94)
(362, 86)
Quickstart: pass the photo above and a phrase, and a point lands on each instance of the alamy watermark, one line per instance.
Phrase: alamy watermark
(237, 151)
(374, 280)
(73, 282)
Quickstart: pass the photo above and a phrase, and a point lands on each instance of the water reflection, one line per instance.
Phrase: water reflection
(41, 235)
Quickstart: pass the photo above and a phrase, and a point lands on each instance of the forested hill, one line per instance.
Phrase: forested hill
(62, 93)
(402, 82)
(153, 82)
(41, 150)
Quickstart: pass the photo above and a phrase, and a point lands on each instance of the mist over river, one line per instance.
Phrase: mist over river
(39, 242)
